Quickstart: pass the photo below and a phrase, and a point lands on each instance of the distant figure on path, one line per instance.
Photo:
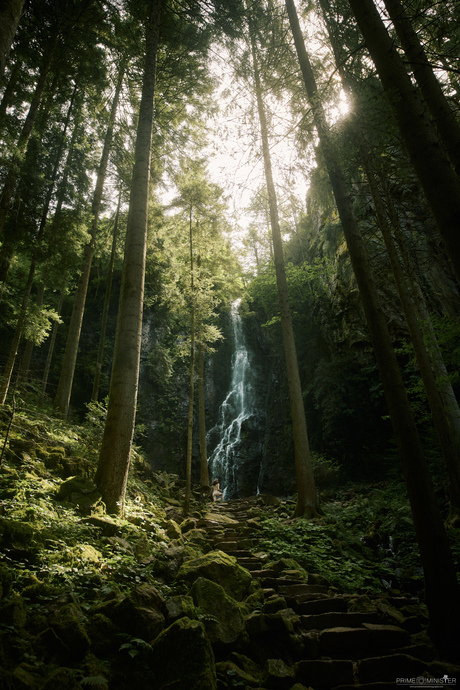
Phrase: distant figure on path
(216, 492)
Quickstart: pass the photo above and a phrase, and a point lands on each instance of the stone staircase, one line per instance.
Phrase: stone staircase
(307, 635)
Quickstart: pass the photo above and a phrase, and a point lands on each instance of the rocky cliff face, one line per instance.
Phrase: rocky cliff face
(249, 440)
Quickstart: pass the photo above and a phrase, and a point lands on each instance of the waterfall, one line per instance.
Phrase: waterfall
(238, 406)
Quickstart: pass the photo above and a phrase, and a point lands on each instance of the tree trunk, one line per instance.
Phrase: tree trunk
(9, 90)
(10, 14)
(307, 502)
(114, 458)
(444, 118)
(49, 356)
(204, 471)
(5, 383)
(105, 311)
(441, 587)
(15, 164)
(437, 178)
(188, 460)
(64, 390)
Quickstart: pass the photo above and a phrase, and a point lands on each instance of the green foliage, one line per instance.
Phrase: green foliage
(351, 545)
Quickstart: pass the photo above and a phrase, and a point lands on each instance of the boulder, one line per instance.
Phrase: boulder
(67, 628)
(223, 620)
(80, 491)
(179, 606)
(141, 613)
(182, 658)
(218, 567)
(277, 674)
(229, 673)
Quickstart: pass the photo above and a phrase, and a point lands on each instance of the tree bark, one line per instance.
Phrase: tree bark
(105, 311)
(64, 390)
(442, 591)
(307, 502)
(444, 118)
(204, 471)
(114, 458)
(188, 461)
(24, 369)
(437, 178)
(52, 343)
(10, 14)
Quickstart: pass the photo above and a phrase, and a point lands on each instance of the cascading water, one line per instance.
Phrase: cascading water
(239, 405)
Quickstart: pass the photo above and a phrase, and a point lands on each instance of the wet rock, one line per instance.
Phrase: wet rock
(182, 657)
(218, 567)
(223, 620)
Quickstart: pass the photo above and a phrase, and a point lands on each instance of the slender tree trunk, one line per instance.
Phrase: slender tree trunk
(450, 452)
(64, 390)
(442, 591)
(204, 471)
(114, 458)
(307, 503)
(9, 89)
(5, 383)
(188, 462)
(444, 117)
(24, 369)
(10, 14)
(105, 311)
(52, 343)
(15, 165)
(437, 178)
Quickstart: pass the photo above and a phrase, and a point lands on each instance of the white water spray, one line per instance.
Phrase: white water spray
(235, 409)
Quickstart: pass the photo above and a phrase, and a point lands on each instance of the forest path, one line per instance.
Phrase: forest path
(307, 634)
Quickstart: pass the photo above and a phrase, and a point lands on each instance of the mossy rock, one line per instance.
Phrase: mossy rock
(13, 611)
(17, 533)
(180, 606)
(182, 657)
(80, 491)
(21, 446)
(6, 579)
(61, 678)
(288, 564)
(67, 624)
(223, 619)
(219, 567)
(141, 613)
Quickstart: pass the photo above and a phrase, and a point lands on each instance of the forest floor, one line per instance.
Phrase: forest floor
(68, 571)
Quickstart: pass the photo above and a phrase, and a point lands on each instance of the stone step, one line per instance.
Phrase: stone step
(388, 668)
(359, 643)
(325, 605)
(337, 619)
(296, 588)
